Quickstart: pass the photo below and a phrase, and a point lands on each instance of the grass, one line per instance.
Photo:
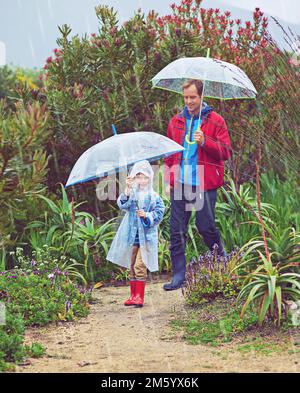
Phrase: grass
(218, 323)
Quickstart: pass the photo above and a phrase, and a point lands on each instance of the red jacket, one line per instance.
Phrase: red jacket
(212, 155)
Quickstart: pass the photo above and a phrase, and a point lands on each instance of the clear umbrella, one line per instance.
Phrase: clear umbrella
(117, 152)
(222, 80)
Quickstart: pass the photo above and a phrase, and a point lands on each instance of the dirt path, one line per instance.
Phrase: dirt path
(118, 339)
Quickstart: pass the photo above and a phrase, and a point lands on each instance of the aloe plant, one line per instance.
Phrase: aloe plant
(73, 233)
(59, 221)
(269, 286)
(94, 241)
(236, 215)
(283, 244)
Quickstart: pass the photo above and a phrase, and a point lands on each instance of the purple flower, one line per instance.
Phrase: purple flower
(68, 305)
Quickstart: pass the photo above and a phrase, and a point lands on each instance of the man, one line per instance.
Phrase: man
(195, 174)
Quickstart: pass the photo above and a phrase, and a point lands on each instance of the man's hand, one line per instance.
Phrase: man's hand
(199, 136)
(141, 213)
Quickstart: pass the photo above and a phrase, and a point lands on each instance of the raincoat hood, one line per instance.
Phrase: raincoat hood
(206, 109)
(145, 168)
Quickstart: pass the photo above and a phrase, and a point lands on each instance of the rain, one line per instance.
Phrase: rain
(75, 75)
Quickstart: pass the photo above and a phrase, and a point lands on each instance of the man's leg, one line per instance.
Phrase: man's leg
(178, 235)
(205, 222)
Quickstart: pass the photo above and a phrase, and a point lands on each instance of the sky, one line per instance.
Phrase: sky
(29, 28)
(288, 10)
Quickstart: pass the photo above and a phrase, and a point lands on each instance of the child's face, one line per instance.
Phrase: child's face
(142, 181)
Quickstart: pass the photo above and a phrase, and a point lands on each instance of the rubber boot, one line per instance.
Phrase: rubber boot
(140, 292)
(130, 301)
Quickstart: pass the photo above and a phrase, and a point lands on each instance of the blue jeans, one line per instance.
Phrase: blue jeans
(205, 222)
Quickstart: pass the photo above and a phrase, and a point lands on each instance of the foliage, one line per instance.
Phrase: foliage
(47, 259)
(269, 286)
(92, 82)
(7, 81)
(23, 167)
(73, 234)
(12, 347)
(215, 326)
(236, 211)
(43, 297)
(35, 299)
(284, 195)
(210, 277)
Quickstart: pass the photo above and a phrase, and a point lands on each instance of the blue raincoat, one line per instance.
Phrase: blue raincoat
(121, 248)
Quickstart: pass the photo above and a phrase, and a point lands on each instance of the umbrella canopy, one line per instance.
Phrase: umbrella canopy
(223, 80)
(118, 152)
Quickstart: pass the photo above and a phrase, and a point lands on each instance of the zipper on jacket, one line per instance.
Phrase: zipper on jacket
(188, 147)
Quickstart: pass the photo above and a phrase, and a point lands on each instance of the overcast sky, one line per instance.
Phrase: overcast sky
(288, 10)
(29, 28)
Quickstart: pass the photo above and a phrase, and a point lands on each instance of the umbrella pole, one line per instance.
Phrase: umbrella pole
(201, 103)
(202, 95)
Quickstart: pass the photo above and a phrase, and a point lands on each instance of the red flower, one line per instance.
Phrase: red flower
(238, 21)
(248, 24)
(49, 60)
(230, 32)
(228, 13)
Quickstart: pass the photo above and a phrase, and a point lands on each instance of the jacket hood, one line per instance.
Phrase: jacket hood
(206, 109)
(145, 168)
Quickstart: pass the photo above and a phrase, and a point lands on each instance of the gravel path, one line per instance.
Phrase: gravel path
(114, 338)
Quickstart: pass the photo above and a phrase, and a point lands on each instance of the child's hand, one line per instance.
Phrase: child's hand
(141, 213)
(129, 183)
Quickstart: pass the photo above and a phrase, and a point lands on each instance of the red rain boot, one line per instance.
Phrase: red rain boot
(130, 301)
(140, 292)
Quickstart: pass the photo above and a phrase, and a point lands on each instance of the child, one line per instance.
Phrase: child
(135, 245)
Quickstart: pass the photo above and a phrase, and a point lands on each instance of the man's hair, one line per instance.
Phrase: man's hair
(196, 82)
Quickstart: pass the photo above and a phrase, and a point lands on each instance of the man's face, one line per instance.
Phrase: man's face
(192, 100)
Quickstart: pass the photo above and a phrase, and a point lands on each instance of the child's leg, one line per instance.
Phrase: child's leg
(140, 270)
(135, 250)
(130, 301)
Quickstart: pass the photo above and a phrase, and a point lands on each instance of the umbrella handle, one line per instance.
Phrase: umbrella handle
(192, 142)
(188, 141)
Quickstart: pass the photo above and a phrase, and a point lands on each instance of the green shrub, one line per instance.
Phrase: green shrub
(23, 163)
(269, 287)
(211, 277)
(36, 298)
(12, 337)
(70, 236)
(43, 297)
